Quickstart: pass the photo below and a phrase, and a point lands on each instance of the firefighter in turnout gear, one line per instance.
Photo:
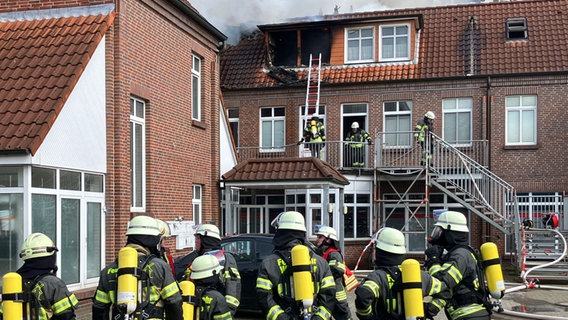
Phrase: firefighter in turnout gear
(314, 136)
(275, 289)
(208, 241)
(159, 297)
(379, 296)
(328, 248)
(165, 251)
(458, 268)
(46, 296)
(206, 273)
(357, 140)
(424, 138)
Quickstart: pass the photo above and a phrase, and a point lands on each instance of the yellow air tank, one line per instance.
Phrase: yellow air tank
(412, 289)
(302, 276)
(493, 271)
(188, 295)
(12, 305)
(127, 290)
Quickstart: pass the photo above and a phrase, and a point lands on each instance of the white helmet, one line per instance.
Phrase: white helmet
(208, 230)
(452, 220)
(327, 232)
(164, 229)
(143, 225)
(391, 240)
(355, 125)
(430, 115)
(204, 266)
(290, 220)
(37, 245)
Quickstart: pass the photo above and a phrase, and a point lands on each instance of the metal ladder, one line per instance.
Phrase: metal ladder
(313, 87)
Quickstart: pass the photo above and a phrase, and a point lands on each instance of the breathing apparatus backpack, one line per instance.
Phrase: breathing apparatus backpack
(143, 289)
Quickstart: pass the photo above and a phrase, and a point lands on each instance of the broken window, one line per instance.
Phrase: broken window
(517, 29)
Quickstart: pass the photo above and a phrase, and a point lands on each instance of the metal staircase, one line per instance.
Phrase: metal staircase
(543, 255)
(313, 87)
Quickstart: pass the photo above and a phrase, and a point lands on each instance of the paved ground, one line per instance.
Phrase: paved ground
(546, 302)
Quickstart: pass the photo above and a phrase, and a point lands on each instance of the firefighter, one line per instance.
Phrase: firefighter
(273, 285)
(328, 247)
(458, 268)
(50, 298)
(208, 241)
(424, 138)
(159, 296)
(379, 296)
(314, 136)
(165, 251)
(358, 139)
(206, 273)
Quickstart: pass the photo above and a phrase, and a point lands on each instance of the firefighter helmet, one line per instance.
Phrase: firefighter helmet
(315, 116)
(327, 232)
(164, 229)
(205, 266)
(144, 226)
(430, 115)
(37, 245)
(391, 240)
(290, 220)
(355, 125)
(452, 220)
(208, 230)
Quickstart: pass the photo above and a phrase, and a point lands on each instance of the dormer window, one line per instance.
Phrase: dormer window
(517, 29)
(360, 44)
(395, 42)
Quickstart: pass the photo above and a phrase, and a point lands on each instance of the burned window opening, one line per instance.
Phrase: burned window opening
(287, 50)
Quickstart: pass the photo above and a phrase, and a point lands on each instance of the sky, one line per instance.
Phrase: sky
(235, 16)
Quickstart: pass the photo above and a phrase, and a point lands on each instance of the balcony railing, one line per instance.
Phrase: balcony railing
(390, 151)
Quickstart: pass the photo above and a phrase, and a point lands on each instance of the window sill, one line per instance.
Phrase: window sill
(526, 147)
(198, 124)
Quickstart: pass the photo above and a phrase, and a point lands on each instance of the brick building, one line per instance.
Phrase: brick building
(108, 110)
(493, 75)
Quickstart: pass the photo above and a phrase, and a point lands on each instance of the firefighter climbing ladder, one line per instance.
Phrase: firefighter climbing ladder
(313, 87)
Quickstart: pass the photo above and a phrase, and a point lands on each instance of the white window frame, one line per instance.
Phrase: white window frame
(359, 40)
(398, 113)
(517, 29)
(234, 121)
(524, 107)
(272, 120)
(196, 88)
(397, 56)
(138, 186)
(197, 203)
(459, 106)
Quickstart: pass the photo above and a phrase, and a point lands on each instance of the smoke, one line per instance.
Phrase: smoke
(234, 18)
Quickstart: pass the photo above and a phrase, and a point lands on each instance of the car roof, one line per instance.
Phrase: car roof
(266, 236)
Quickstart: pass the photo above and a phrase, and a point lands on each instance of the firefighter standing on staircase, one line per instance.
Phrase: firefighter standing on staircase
(314, 136)
(458, 269)
(357, 140)
(206, 274)
(328, 248)
(379, 296)
(50, 298)
(424, 138)
(159, 296)
(274, 288)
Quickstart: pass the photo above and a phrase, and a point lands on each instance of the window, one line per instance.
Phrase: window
(11, 226)
(196, 89)
(272, 128)
(43, 178)
(520, 120)
(137, 155)
(234, 124)
(517, 29)
(197, 203)
(70, 180)
(395, 43)
(70, 240)
(398, 115)
(358, 217)
(457, 120)
(11, 177)
(360, 44)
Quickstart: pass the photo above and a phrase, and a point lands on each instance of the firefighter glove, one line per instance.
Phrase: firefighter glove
(433, 256)
(430, 311)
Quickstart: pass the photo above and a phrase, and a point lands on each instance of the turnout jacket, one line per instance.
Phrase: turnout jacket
(160, 298)
(380, 295)
(212, 305)
(50, 298)
(459, 273)
(335, 260)
(274, 288)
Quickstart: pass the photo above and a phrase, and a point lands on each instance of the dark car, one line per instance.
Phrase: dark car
(249, 251)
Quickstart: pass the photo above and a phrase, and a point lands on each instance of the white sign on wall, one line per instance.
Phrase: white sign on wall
(184, 232)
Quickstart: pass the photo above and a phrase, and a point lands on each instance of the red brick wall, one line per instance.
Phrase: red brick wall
(25, 5)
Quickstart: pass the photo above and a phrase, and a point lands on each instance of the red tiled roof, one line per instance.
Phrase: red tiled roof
(40, 63)
(276, 170)
(442, 52)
